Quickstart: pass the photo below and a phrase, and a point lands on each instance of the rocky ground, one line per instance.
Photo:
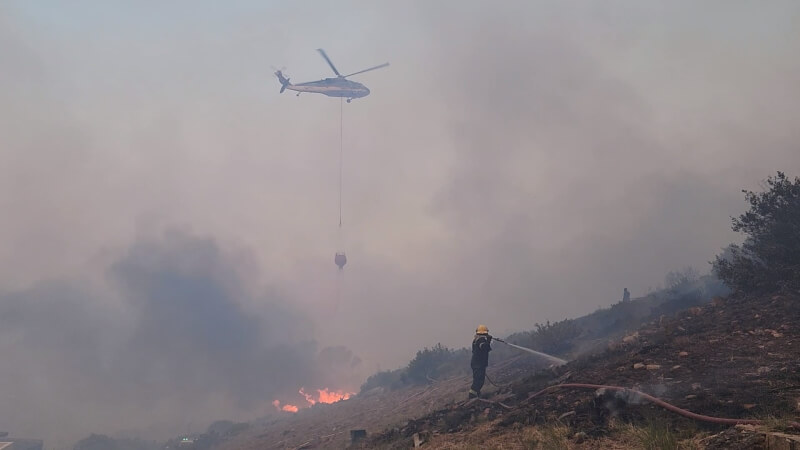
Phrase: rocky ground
(734, 358)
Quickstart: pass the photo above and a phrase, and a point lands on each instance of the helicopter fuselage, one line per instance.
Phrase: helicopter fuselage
(332, 87)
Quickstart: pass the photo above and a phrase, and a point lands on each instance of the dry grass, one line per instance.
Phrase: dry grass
(550, 437)
(651, 436)
(655, 435)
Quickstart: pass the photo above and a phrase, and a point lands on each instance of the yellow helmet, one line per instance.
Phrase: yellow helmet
(482, 329)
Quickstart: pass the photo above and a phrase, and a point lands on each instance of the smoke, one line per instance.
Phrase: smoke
(514, 164)
(182, 337)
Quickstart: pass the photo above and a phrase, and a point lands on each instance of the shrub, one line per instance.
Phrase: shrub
(677, 281)
(429, 364)
(389, 379)
(434, 363)
(769, 258)
(556, 338)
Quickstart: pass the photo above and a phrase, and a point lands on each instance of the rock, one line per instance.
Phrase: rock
(749, 406)
(683, 354)
(695, 386)
(638, 366)
(580, 437)
(762, 370)
(653, 367)
(776, 335)
(676, 367)
(690, 396)
(631, 338)
(621, 369)
(735, 439)
(782, 441)
(600, 392)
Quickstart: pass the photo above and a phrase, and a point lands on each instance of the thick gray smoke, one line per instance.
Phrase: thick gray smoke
(184, 338)
(516, 163)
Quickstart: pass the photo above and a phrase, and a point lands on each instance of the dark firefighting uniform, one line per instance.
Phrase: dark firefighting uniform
(481, 346)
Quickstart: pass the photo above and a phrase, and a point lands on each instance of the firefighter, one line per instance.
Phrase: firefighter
(481, 346)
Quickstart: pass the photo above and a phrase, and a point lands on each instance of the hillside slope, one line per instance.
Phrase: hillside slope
(735, 358)
(329, 425)
(376, 408)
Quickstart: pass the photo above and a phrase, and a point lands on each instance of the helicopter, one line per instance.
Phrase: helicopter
(332, 87)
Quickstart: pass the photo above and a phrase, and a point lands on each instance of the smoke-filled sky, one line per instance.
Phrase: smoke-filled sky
(170, 220)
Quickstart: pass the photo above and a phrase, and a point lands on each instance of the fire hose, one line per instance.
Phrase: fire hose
(661, 403)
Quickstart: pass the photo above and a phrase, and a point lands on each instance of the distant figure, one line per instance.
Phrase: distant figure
(481, 346)
(626, 296)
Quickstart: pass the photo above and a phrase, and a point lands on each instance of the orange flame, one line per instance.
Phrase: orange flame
(326, 396)
(308, 397)
(289, 408)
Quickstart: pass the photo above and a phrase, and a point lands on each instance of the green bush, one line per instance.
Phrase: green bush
(435, 363)
(428, 365)
(556, 338)
(769, 258)
(389, 379)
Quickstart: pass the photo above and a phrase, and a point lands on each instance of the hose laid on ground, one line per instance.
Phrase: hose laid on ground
(495, 384)
(660, 403)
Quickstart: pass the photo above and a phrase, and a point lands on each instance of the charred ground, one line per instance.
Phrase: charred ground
(735, 358)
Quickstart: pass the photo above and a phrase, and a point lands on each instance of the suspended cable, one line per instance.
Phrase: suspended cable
(341, 155)
(340, 259)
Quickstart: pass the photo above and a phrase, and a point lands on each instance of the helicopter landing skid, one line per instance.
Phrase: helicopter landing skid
(348, 100)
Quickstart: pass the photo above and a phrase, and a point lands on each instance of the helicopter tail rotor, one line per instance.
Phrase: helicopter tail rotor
(284, 81)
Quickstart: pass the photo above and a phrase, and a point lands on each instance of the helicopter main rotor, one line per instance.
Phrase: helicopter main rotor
(324, 55)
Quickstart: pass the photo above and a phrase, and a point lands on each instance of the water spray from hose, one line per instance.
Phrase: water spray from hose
(552, 358)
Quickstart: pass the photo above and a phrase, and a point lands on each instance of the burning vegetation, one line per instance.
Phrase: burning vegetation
(324, 395)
